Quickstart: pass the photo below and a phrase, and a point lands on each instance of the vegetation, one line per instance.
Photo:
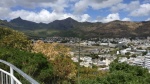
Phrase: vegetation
(14, 39)
(88, 73)
(58, 55)
(64, 69)
(35, 65)
(15, 48)
(124, 73)
(51, 63)
(121, 73)
(50, 50)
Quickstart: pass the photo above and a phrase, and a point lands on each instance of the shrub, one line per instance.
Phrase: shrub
(14, 39)
(35, 65)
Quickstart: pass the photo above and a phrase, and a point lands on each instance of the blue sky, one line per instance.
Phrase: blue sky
(46, 11)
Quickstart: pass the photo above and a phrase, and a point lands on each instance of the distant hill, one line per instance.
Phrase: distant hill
(21, 24)
(72, 28)
(65, 24)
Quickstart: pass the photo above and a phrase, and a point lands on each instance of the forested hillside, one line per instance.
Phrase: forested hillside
(71, 28)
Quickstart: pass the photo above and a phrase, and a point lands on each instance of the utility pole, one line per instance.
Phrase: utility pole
(79, 64)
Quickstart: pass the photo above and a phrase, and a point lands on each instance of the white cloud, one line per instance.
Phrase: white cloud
(42, 16)
(59, 9)
(82, 5)
(134, 8)
(4, 12)
(57, 5)
(98, 4)
(126, 19)
(133, 5)
(110, 17)
(144, 10)
(7, 3)
(85, 17)
(118, 7)
(24, 3)
(45, 16)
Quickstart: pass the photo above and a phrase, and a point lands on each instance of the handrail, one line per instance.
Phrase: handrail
(31, 80)
(11, 76)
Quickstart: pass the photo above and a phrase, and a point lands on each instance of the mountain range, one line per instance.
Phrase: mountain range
(72, 28)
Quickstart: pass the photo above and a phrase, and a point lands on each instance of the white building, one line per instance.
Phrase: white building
(147, 61)
(74, 59)
(123, 52)
(138, 61)
(122, 59)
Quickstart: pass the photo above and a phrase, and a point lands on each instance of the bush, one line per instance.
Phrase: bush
(122, 73)
(35, 65)
(14, 39)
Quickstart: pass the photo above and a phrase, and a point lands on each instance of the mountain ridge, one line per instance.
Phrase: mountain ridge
(71, 28)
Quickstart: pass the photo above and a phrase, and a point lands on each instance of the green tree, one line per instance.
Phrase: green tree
(35, 65)
(117, 77)
(122, 73)
(128, 53)
(144, 53)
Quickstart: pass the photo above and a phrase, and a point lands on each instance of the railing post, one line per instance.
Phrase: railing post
(11, 73)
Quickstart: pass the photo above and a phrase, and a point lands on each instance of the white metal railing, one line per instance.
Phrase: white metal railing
(9, 78)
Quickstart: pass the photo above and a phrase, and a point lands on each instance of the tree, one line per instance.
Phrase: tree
(126, 74)
(58, 55)
(33, 64)
(134, 55)
(144, 53)
(50, 50)
(64, 69)
(117, 77)
(128, 53)
(14, 39)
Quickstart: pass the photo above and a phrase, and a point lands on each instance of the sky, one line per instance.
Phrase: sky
(46, 11)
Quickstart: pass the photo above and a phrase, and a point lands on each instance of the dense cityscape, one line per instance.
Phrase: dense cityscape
(106, 50)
